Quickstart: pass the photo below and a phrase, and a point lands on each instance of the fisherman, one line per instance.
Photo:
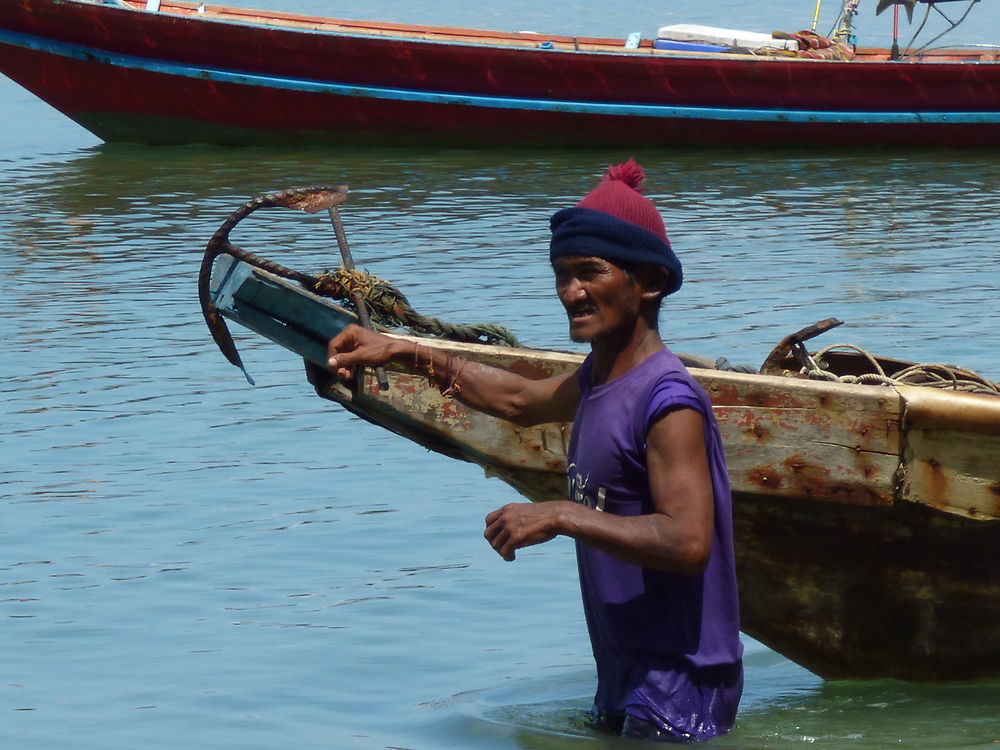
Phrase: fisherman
(649, 502)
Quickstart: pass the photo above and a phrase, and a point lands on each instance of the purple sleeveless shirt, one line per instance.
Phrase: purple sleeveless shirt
(667, 645)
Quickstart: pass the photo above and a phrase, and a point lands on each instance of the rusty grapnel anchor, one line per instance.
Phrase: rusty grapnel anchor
(387, 305)
(310, 200)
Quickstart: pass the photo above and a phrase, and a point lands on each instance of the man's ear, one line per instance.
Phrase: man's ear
(654, 280)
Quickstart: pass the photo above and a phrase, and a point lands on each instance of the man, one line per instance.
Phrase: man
(649, 502)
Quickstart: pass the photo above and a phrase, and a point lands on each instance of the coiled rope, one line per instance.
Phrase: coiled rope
(930, 375)
(390, 308)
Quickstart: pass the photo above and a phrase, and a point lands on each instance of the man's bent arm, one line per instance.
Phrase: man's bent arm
(676, 536)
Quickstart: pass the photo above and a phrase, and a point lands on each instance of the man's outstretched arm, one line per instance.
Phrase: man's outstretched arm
(484, 388)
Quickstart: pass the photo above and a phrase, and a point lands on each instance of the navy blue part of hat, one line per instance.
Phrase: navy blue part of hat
(586, 231)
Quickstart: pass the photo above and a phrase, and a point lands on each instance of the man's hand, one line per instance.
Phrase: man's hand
(356, 346)
(520, 525)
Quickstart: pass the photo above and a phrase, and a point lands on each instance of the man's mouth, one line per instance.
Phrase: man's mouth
(580, 312)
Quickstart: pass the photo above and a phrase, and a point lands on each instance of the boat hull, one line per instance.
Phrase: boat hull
(177, 76)
(864, 549)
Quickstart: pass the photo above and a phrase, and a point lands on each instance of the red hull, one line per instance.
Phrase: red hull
(169, 77)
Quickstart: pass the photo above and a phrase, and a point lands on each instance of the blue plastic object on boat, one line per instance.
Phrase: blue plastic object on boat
(687, 46)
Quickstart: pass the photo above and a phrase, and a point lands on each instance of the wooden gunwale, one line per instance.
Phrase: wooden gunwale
(526, 39)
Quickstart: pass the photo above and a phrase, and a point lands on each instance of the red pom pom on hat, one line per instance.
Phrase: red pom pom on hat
(620, 195)
(630, 173)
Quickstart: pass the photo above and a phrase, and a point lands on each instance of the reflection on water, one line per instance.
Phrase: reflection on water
(188, 561)
(877, 715)
(770, 243)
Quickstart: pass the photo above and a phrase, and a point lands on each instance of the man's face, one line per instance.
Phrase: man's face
(600, 298)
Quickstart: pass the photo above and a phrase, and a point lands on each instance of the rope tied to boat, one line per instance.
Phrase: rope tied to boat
(791, 358)
(810, 45)
(390, 309)
(930, 375)
(388, 306)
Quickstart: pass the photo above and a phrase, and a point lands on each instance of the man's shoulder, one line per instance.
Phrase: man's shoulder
(671, 372)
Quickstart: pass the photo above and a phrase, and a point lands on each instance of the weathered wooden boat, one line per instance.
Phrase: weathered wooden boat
(867, 517)
(166, 71)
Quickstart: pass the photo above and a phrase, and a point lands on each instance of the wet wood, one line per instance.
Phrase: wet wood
(802, 439)
(951, 454)
(861, 592)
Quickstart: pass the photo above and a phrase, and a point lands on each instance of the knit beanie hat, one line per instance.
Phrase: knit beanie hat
(618, 223)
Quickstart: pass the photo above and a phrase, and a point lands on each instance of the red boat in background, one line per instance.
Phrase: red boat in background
(176, 72)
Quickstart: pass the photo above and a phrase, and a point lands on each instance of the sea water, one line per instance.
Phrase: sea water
(190, 562)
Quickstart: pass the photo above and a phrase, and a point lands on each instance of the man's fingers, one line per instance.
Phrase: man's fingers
(499, 536)
(339, 351)
(492, 532)
(343, 363)
(337, 366)
(338, 360)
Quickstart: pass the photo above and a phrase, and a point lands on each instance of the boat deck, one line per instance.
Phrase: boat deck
(520, 39)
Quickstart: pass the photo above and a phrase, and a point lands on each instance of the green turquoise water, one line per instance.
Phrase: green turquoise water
(186, 561)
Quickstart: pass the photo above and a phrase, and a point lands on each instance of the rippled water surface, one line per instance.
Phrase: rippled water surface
(187, 561)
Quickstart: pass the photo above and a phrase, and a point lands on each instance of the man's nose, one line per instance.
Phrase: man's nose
(572, 291)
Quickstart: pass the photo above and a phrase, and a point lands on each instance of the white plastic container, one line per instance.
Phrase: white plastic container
(690, 32)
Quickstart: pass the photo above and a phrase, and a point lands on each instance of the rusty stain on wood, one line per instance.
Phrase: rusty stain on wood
(764, 476)
(951, 452)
